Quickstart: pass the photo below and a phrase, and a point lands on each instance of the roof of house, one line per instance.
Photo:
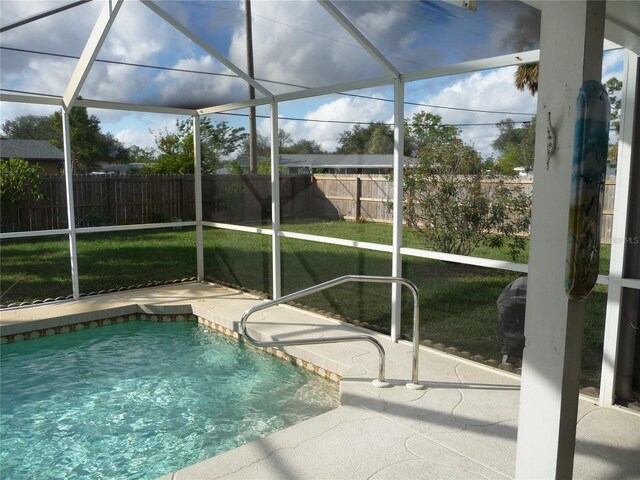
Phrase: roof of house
(334, 160)
(121, 167)
(29, 149)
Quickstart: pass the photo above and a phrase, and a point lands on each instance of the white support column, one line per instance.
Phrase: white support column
(197, 179)
(619, 228)
(398, 182)
(71, 216)
(275, 202)
(554, 325)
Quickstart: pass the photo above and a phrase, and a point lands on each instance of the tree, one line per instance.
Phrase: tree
(446, 200)
(19, 179)
(614, 87)
(141, 155)
(426, 133)
(263, 144)
(516, 146)
(90, 146)
(86, 140)
(526, 76)
(31, 127)
(374, 138)
(264, 167)
(175, 148)
(303, 146)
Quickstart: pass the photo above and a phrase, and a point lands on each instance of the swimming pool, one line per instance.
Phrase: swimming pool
(140, 399)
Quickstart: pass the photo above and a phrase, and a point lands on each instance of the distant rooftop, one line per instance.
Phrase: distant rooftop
(29, 149)
(334, 160)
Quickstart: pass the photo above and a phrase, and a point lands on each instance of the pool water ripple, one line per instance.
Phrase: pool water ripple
(140, 399)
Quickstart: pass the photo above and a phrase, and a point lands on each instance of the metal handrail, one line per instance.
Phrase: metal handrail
(380, 382)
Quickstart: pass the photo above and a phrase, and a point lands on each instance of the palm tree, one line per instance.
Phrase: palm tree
(527, 77)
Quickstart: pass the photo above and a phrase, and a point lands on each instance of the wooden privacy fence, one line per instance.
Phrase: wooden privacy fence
(367, 197)
(137, 199)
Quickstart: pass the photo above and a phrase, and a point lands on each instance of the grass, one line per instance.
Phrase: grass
(457, 302)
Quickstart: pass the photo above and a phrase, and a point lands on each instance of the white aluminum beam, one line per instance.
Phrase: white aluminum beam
(30, 99)
(202, 44)
(41, 15)
(234, 106)
(427, 73)
(238, 228)
(621, 32)
(90, 52)
(71, 216)
(131, 107)
(140, 226)
(343, 242)
(554, 324)
(432, 72)
(359, 37)
(33, 234)
(398, 207)
(473, 66)
(619, 229)
(275, 202)
(630, 283)
(197, 179)
(465, 260)
(83, 102)
(337, 88)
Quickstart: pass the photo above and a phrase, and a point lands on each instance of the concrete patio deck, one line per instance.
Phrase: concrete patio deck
(462, 425)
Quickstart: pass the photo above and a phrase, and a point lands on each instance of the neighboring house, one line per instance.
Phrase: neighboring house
(333, 163)
(339, 163)
(40, 152)
(119, 168)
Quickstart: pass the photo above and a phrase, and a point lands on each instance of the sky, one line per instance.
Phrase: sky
(296, 43)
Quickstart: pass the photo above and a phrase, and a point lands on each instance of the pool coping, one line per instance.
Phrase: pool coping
(73, 322)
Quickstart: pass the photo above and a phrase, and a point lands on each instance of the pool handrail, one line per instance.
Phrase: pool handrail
(380, 382)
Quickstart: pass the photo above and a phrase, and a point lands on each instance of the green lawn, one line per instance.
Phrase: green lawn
(457, 302)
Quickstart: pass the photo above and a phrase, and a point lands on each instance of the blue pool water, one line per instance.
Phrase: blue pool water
(139, 400)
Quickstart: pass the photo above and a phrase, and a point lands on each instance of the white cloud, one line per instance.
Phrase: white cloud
(138, 35)
(191, 89)
(341, 109)
(300, 43)
(10, 110)
(136, 128)
(612, 64)
(492, 90)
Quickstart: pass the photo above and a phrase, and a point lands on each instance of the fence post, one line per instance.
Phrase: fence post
(358, 196)
(197, 183)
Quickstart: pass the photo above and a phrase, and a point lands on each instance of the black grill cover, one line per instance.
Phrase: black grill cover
(511, 306)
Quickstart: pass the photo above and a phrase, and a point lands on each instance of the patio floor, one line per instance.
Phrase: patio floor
(463, 425)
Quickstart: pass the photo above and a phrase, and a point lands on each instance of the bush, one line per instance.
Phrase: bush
(18, 180)
(447, 201)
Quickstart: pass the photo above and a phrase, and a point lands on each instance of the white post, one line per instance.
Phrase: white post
(71, 216)
(398, 181)
(554, 324)
(618, 229)
(275, 201)
(197, 178)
